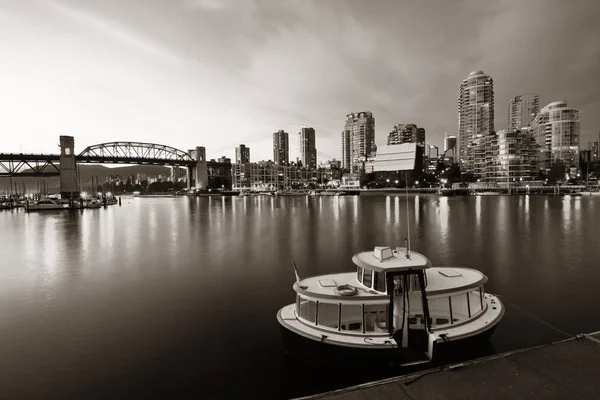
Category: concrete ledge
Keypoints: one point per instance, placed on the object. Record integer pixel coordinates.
(561, 370)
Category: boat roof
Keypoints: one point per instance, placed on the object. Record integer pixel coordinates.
(440, 281)
(384, 259)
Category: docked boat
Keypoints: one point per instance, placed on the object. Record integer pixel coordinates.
(47, 204)
(93, 203)
(396, 308)
(488, 193)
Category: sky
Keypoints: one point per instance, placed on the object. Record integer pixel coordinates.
(217, 73)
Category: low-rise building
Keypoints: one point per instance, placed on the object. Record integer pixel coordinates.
(267, 175)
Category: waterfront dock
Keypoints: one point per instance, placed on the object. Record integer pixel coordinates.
(561, 370)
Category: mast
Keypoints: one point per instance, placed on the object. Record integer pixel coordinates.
(407, 216)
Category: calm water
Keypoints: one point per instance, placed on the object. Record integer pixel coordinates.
(177, 297)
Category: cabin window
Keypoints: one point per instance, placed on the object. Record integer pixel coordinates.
(439, 310)
(414, 282)
(475, 302)
(368, 278)
(375, 318)
(328, 315)
(351, 317)
(460, 308)
(359, 274)
(379, 281)
(308, 310)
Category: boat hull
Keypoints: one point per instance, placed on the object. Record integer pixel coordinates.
(318, 351)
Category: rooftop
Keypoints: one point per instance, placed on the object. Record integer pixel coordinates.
(386, 259)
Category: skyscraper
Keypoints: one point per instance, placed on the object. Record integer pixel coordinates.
(345, 150)
(281, 148)
(594, 148)
(475, 121)
(522, 110)
(358, 140)
(308, 149)
(407, 133)
(556, 130)
(242, 154)
(450, 147)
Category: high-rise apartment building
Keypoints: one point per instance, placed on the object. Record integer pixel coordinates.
(345, 150)
(407, 133)
(475, 121)
(281, 148)
(522, 110)
(308, 148)
(358, 140)
(511, 156)
(242, 154)
(433, 151)
(594, 148)
(556, 129)
(450, 147)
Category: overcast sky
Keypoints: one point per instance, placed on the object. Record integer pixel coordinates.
(222, 72)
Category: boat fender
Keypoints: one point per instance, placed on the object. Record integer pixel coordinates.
(346, 290)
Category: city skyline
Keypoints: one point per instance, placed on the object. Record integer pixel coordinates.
(114, 71)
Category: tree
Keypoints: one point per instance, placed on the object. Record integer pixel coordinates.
(557, 172)
(451, 173)
(468, 177)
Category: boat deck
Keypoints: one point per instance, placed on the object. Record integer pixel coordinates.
(563, 370)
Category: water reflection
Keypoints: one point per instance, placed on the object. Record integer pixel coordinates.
(388, 209)
(527, 215)
(336, 208)
(417, 209)
(478, 215)
(566, 214)
(443, 209)
(396, 211)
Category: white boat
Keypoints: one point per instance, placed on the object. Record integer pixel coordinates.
(47, 204)
(93, 203)
(590, 193)
(396, 307)
(488, 193)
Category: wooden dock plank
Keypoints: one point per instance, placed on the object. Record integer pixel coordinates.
(564, 370)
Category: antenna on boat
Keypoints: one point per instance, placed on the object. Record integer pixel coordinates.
(407, 241)
(296, 272)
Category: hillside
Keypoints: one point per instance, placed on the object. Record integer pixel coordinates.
(86, 171)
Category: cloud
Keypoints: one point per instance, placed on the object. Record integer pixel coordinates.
(220, 73)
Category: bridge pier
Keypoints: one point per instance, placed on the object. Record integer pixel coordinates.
(201, 169)
(190, 177)
(69, 182)
(200, 172)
